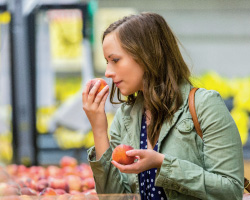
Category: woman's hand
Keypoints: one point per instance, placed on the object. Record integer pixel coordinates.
(147, 159)
(94, 104)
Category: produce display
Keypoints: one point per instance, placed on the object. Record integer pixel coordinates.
(65, 180)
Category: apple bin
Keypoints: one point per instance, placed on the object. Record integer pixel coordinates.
(68, 180)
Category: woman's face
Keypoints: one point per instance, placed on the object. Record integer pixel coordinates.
(121, 67)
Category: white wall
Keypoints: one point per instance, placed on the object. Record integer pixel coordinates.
(215, 34)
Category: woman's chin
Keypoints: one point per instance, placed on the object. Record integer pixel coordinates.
(125, 93)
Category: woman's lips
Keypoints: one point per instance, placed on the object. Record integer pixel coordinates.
(117, 83)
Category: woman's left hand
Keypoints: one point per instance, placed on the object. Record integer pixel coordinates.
(147, 159)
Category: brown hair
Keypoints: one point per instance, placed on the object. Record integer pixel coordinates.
(150, 41)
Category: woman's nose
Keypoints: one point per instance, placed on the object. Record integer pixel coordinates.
(109, 73)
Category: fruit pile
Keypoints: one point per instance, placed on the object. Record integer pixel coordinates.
(63, 181)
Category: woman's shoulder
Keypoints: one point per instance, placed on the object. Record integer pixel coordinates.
(123, 110)
(204, 96)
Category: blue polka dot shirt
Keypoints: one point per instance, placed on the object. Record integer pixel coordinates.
(148, 190)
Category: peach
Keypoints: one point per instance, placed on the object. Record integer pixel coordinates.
(65, 196)
(58, 183)
(88, 183)
(9, 189)
(85, 171)
(53, 171)
(28, 191)
(102, 85)
(68, 161)
(48, 192)
(119, 155)
(42, 184)
(74, 182)
(60, 191)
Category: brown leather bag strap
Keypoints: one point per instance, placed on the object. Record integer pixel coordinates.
(247, 184)
(191, 103)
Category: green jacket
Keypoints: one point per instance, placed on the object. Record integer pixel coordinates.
(193, 168)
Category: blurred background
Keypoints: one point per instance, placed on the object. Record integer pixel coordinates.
(49, 49)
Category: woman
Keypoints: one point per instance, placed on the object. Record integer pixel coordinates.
(146, 66)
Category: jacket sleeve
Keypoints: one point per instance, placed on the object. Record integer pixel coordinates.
(223, 172)
(108, 179)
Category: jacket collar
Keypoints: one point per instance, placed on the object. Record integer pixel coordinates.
(133, 116)
(185, 89)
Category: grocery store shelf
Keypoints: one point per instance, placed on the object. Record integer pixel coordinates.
(49, 153)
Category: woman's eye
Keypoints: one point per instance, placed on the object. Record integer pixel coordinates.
(115, 60)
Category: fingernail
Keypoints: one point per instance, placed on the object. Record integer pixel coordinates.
(128, 152)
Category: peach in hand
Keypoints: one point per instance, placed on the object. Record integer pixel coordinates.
(119, 155)
(102, 85)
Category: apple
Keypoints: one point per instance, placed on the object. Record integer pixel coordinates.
(102, 85)
(119, 154)
(68, 161)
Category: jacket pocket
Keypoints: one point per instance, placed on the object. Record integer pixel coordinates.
(185, 126)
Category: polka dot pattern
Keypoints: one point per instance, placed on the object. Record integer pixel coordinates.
(148, 190)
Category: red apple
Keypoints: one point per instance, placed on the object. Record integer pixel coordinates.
(119, 155)
(102, 85)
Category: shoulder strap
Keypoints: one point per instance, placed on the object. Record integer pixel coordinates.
(191, 103)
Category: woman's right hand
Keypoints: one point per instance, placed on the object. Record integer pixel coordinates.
(94, 106)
